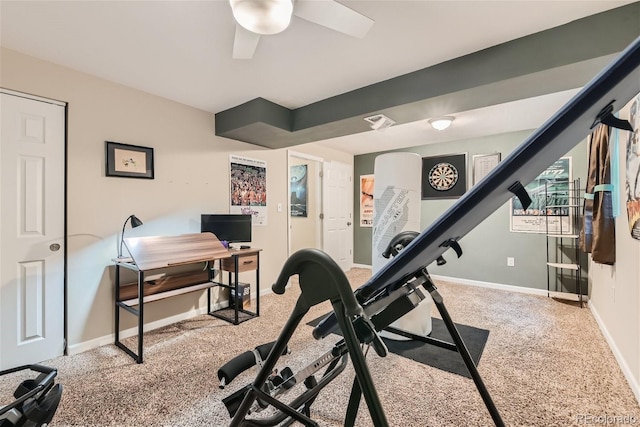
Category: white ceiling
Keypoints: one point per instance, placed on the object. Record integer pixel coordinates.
(181, 50)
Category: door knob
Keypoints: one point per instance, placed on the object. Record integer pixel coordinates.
(54, 247)
(348, 224)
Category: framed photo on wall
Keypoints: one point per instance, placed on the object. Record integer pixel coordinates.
(128, 161)
(444, 177)
(483, 164)
(551, 187)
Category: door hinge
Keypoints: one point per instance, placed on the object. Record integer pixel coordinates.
(321, 216)
(321, 173)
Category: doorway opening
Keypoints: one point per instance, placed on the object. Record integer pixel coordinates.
(304, 223)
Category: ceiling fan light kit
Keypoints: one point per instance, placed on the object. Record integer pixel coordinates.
(262, 16)
(256, 18)
(441, 123)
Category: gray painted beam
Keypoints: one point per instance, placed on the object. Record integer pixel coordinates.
(256, 110)
(561, 58)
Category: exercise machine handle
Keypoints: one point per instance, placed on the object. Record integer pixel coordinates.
(320, 279)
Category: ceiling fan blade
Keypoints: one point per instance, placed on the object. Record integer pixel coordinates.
(244, 43)
(334, 15)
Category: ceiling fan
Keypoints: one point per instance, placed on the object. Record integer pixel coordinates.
(255, 18)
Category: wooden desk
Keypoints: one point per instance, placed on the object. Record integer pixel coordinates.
(240, 260)
(157, 253)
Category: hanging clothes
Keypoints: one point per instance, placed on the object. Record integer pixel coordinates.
(598, 232)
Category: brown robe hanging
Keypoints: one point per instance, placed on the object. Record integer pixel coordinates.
(598, 232)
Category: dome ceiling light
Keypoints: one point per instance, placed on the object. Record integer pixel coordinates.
(263, 17)
(441, 123)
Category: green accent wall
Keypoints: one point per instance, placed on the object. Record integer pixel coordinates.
(485, 248)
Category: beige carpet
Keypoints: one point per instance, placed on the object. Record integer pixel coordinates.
(545, 364)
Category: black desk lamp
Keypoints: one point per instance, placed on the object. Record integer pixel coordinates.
(135, 222)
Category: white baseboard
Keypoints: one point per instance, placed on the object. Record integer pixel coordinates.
(360, 266)
(109, 339)
(266, 291)
(568, 296)
(633, 382)
(491, 285)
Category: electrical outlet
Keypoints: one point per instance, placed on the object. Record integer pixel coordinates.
(511, 261)
(279, 207)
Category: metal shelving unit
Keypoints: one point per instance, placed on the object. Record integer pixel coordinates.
(563, 206)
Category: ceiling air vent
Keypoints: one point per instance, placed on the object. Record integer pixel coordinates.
(379, 122)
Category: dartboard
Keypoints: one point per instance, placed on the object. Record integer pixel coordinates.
(443, 176)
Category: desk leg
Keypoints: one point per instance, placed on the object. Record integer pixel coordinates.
(258, 284)
(210, 277)
(117, 313)
(235, 284)
(140, 314)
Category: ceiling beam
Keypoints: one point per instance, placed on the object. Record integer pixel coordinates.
(561, 58)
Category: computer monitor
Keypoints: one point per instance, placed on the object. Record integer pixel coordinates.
(232, 228)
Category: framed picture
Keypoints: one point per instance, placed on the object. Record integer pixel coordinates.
(128, 161)
(551, 187)
(444, 177)
(483, 164)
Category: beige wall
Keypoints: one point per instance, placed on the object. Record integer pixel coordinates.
(191, 177)
(615, 290)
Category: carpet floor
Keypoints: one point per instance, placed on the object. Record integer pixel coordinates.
(545, 363)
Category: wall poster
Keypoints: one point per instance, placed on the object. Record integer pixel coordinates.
(444, 177)
(366, 200)
(554, 181)
(633, 171)
(483, 164)
(249, 188)
(298, 190)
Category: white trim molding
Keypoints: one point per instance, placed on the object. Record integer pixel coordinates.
(626, 371)
(491, 285)
(109, 339)
(32, 97)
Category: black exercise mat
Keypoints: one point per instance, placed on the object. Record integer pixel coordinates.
(429, 354)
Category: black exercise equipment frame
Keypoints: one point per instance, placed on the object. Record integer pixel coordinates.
(36, 400)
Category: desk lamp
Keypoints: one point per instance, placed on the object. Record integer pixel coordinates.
(135, 222)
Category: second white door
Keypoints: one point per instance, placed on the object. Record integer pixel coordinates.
(337, 209)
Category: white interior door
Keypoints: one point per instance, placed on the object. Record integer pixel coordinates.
(337, 207)
(31, 230)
